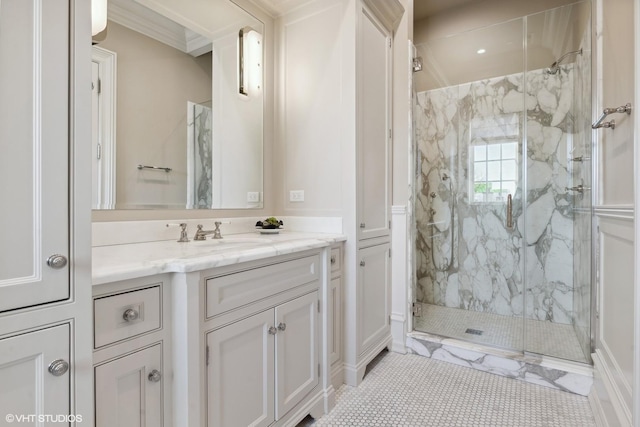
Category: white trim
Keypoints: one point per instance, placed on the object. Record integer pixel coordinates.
(616, 212)
(107, 66)
(635, 410)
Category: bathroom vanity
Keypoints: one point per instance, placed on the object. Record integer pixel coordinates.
(236, 331)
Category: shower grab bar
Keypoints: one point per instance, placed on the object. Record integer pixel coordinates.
(509, 212)
(155, 168)
(612, 124)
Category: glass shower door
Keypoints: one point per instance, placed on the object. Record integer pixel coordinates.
(470, 133)
(558, 199)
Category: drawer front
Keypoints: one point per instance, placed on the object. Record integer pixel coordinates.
(336, 259)
(228, 292)
(122, 316)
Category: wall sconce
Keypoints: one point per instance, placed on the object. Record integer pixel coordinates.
(98, 16)
(249, 62)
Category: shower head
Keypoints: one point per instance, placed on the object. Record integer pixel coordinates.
(553, 69)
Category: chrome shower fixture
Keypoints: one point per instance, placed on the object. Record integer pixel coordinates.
(417, 64)
(553, 69)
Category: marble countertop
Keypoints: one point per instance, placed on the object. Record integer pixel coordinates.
(128, 261)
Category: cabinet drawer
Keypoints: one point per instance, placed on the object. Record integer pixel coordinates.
(121, 316)
(336, 259)
(228, 292)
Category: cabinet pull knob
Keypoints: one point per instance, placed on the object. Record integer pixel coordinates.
(362, 263)
(58, 367)
(282, 326)
(154, 376)
(362, 225)
(272, 330)
(57, 261)
(333, 259)
(130, 315)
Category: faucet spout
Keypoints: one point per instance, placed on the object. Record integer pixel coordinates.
(202, 234)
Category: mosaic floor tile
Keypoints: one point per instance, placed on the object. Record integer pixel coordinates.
(414, 391)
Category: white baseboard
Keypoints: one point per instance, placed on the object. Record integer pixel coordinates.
(609, 409)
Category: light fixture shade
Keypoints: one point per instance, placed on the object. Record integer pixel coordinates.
(98, 16)
(250, 62)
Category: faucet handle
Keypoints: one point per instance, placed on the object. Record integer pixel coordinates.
(183, 231)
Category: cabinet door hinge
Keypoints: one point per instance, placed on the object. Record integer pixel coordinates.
(207, 356)
(99, 86)
(318, 370)
(389, 41)
(318, 306)
(389, 224)
(389, 253)
(99, 151)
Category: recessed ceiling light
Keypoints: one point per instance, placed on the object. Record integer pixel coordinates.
(481, 51)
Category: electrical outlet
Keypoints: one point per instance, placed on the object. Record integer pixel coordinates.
(296, 196)
(253, 196)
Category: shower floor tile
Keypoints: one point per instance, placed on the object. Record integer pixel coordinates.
(551, 339)
(414, 391)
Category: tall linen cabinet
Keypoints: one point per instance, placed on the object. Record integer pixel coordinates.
(45, 263)
(334, 118)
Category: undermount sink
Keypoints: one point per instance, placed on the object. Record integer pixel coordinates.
(231, 241)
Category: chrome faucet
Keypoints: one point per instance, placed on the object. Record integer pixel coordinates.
(202, 234)
(183, 232)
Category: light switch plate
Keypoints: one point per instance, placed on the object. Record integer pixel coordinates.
(296, 196)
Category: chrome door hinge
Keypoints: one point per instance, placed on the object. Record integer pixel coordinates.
(416, 309)
(99, 151)
(207, 356)
(99, 86)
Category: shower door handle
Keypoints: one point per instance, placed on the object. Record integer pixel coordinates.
(509, 212)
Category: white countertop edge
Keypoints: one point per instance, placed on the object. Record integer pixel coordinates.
(108, 267)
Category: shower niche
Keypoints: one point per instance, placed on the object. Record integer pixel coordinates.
(502, 140)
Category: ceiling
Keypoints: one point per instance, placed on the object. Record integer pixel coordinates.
(424, 8)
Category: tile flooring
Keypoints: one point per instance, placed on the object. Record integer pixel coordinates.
(550, 339)
(410, 390)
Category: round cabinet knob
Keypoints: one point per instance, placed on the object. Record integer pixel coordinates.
(154, 376)
(272, 330)
(362, 263)
(333, 259)
(282, 326)
(130, 315)
(58, 367)
(57, 261)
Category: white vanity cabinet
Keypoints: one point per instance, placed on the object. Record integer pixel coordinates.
(130, 364)
(264, 358)
(260, 367)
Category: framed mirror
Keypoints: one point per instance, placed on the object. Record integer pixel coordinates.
(178, 106)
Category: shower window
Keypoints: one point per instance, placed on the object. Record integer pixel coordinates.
(494, 170)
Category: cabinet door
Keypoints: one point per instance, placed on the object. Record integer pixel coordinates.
(26, 385)
(374, 128)
(373, 295)
(240, 375)
(129, 390)
(34, 142)
(296, 351)
(335, 326)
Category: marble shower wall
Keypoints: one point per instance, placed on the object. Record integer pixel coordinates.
(465, 256)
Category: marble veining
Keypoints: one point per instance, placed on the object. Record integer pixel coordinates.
(574, 379)
(466, 256)
(199, 161)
